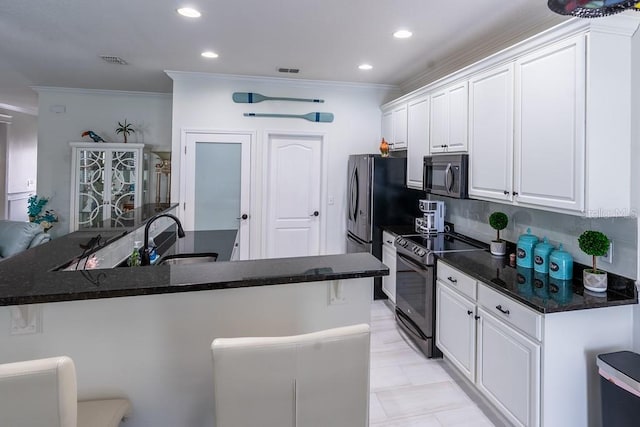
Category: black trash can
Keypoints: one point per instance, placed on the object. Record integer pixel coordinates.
(620, 388)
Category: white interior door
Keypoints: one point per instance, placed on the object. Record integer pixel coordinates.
(217, 186)
(294, 177)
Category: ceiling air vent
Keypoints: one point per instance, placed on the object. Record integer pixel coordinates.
(113, 59)
(289, 70)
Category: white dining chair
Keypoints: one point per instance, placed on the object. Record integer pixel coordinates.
(43, 393)
(317, 379)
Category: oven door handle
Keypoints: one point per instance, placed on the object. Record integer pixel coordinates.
(413, 265)
(410, 328)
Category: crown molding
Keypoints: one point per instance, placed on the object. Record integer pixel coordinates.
(24, 110)
(190, 75)
(54, 89)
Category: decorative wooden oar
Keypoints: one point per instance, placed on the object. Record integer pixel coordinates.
(312, 117)
(252, 98)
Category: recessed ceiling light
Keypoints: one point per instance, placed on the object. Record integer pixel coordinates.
(365, 67)
(402, 34)
(189, 12)
(209, 54)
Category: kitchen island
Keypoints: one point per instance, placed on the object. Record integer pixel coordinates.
(145, 333)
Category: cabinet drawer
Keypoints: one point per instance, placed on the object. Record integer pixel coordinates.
(388, 239)
(512, 312)
(456, 280)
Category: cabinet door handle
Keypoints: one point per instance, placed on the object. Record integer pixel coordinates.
(476, 317)
(452, 280)
(389, 242)
(502, 310)
(515, 193)
(469, 312)
(506, 192)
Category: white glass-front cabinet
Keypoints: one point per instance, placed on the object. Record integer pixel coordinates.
(389, 259)
(417, 140)
(106, 182)
(448, 119)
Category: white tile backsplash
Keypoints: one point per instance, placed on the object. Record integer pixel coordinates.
(471, 217)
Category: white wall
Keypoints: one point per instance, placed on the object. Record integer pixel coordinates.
(203, 101)
(65, 113)
(635, 160)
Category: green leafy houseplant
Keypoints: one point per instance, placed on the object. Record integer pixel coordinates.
(498, 221)
(594, 243)
(125, 129)
(35, 205)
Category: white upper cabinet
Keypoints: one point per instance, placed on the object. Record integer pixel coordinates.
(448, 119)
(417, 140)
(387, 126)
(491, 134)
(550, 126)
(399, 140)
(394, 127)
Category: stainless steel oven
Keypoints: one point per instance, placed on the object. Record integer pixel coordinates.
(415, 299)
(416, 284)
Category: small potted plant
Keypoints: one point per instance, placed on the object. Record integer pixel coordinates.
(125, 129)
(498, 221)
(596, 244)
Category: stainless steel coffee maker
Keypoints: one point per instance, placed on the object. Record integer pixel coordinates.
(432, 220)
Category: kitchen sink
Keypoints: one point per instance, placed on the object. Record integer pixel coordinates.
(188, 259)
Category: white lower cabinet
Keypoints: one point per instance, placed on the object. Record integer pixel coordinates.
(479, 337)
(536, 369)
(508, 371)
(389, 259)
(456, 329)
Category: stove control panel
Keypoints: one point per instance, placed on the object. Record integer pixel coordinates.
(401, 242)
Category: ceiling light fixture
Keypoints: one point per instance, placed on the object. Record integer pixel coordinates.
(402, 34)
(209, 54)
(189, 12)
(591, 8)
(365, 67)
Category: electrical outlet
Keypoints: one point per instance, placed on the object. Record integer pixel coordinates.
(608, 257)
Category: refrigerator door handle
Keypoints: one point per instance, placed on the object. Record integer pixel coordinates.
(353, 201)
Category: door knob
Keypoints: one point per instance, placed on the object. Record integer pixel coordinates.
(315, 213)
(244, 216)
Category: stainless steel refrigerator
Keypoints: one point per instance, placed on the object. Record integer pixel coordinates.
(377, 197)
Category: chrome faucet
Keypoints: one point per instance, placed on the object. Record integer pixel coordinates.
(144, 251)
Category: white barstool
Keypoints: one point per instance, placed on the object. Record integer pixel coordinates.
(43, 393)
(317, 379)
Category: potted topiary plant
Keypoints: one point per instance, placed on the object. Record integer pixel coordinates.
(498, 221)
(594, 243)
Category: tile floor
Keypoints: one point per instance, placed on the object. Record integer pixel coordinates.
(409, 390)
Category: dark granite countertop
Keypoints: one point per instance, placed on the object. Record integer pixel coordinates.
(28, 277)
(539, 291)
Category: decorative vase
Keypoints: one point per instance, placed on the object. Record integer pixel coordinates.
(384, 148)
(498, 247)
(596, 282)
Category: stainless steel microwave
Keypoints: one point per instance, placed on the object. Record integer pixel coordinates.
(447, 175)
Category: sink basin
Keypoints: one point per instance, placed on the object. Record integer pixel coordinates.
(187, 259)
